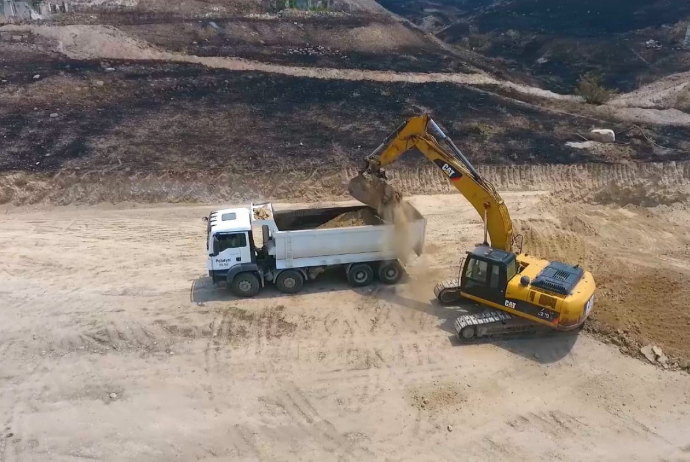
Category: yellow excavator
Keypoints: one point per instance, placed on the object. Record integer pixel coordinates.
(523, 292)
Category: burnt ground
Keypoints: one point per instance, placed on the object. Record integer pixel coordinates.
(557, 42)
(330, 40)
(153, 116)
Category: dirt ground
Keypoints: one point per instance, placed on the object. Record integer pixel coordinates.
(115, 345)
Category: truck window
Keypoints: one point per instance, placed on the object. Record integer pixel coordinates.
(477, 271)
(232, 241)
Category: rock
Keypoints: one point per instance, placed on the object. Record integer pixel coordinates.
(99, 83)
(684, 363)
(54, 115)
(619, 331)
(10, 435)
(109, 69)
(537, 356)
(657, 351)
(425, 401)
(625, 350)
(653, 44)
(37, 76)
(450, 428)
(113, 395)
(17, 38)
(663, 360)
(648, 353)
(602, 135)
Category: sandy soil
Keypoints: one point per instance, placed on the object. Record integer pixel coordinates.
(115, 346)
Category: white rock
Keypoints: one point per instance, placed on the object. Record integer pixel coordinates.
(657, 351)
(603, 135)
(113, 395)
(37, 76)
(648, 353)
(54, 115)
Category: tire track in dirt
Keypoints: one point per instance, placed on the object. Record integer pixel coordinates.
(581, 182)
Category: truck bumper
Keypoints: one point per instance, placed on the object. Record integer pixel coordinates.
(218, 275)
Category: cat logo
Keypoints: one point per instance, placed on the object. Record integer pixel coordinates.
(450, 171)
(510, 304)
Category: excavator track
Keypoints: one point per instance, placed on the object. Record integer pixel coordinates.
(487, 325)
(494, 324)
(448, 291)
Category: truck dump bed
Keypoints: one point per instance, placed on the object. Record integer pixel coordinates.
(340, 235)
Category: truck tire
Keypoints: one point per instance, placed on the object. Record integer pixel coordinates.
(290, 281)
(246, 285)
(360, 275)
(390, 272)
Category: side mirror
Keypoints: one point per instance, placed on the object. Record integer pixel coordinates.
(216, 246)
(524, 281)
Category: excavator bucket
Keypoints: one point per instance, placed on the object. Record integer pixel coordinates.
(374, 192)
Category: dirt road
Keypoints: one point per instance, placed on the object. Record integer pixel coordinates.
(115, 346)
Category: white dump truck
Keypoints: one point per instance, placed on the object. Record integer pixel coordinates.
(248, 247)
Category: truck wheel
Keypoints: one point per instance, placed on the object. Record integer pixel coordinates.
(390, 272)
(360, 275)
(246, 285)
(290, 281)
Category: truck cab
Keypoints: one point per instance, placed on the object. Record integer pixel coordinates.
(229, 242)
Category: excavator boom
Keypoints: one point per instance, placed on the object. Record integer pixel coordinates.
(423, 134)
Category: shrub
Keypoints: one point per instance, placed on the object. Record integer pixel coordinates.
(591, 89)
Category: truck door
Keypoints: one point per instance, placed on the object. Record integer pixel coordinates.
(484, 279)
(234, 249)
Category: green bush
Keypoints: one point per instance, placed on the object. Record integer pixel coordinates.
(591, 89)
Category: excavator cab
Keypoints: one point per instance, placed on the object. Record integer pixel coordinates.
(486, 273)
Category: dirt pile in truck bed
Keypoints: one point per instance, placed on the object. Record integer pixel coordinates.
(355, 218)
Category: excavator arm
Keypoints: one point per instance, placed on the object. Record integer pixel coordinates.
(423, 134)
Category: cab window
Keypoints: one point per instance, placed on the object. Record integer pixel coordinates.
(511, 270)
(232, 241)
(477, 271)
(495, 276)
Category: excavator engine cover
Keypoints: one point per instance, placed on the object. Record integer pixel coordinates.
(559, 278)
